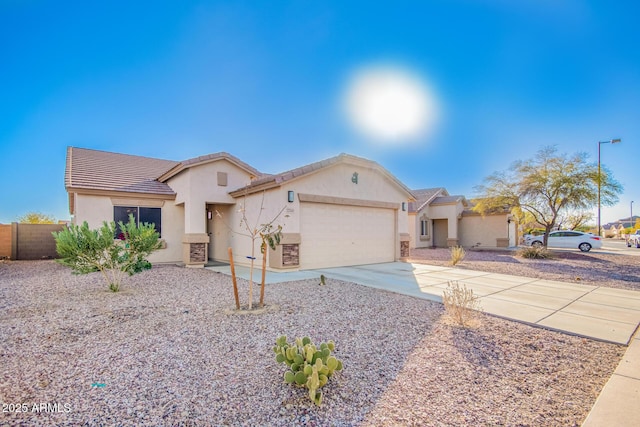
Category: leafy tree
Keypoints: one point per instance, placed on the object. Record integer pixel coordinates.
(36, 218)
(86, 250)
(547, 186)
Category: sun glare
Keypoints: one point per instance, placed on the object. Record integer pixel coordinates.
(389, 104)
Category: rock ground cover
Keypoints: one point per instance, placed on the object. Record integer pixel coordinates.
(592, 268)
(165, 351)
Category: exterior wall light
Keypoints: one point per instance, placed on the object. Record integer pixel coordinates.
(354, 178)
(290, 196)
(404, 206)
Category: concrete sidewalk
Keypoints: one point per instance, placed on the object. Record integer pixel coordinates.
(619, 402)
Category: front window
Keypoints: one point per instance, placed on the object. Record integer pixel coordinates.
(140, 214)
(424, 227)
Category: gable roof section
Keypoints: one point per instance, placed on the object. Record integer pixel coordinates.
(448, 200)
(203, 160)
(267, 182)
(105, 171)
(425, 196)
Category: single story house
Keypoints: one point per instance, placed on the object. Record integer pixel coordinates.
(341, 211)
(345, 210)
(442, 220)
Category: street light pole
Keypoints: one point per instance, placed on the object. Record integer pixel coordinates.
(631, 217)
(611, 141)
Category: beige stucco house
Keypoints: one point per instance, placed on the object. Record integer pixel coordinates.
(616, 229)
(440, 220)
(345, 210)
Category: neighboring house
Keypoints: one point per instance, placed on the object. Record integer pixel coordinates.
(629, 222)
(442, 220)
(616, 229)
(341, 211)
(611, 230)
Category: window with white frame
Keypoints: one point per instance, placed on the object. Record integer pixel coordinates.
(424, 227)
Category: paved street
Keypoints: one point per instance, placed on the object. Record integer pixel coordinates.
(618, 247)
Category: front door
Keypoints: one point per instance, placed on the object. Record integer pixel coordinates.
(211, 213)
(440, 232)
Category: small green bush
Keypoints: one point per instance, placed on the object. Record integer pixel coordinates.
(457, 254)
(309, 366)
(535, 252)
(86, 251)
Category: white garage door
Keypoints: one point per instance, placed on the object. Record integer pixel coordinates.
(341, 235)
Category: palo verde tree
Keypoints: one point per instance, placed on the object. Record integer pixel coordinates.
(36, 218)
(548, 186)
(86, 250)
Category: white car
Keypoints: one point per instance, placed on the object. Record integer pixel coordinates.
(634, 239)
(568, 239)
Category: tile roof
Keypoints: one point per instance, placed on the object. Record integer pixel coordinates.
(270, 181)
(425, 196)
(102, 170)
(448, 199)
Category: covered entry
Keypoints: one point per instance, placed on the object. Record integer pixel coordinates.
(440, 233)
(335, 235)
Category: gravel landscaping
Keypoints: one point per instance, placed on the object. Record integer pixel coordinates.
(165, 351)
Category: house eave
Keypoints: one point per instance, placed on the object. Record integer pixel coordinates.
(245, 191)
(116, 193)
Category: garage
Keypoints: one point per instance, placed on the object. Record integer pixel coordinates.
(341, 235)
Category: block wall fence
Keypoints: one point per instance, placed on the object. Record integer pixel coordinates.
(28, 241)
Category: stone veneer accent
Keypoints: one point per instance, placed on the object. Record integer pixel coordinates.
(404, 244)
(197, 252)
(195, 249)
(291, 255)
(287, 253)
(404, 249)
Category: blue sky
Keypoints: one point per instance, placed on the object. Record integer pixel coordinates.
(264, 80)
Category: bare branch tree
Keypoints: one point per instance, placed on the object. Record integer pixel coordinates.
(267, 232)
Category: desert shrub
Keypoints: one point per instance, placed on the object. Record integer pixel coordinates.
(86, 250)
(535, 252)
(457, 254)
(309, 366)
(460, 304)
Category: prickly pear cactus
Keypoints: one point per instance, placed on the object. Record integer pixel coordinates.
(309, 365)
